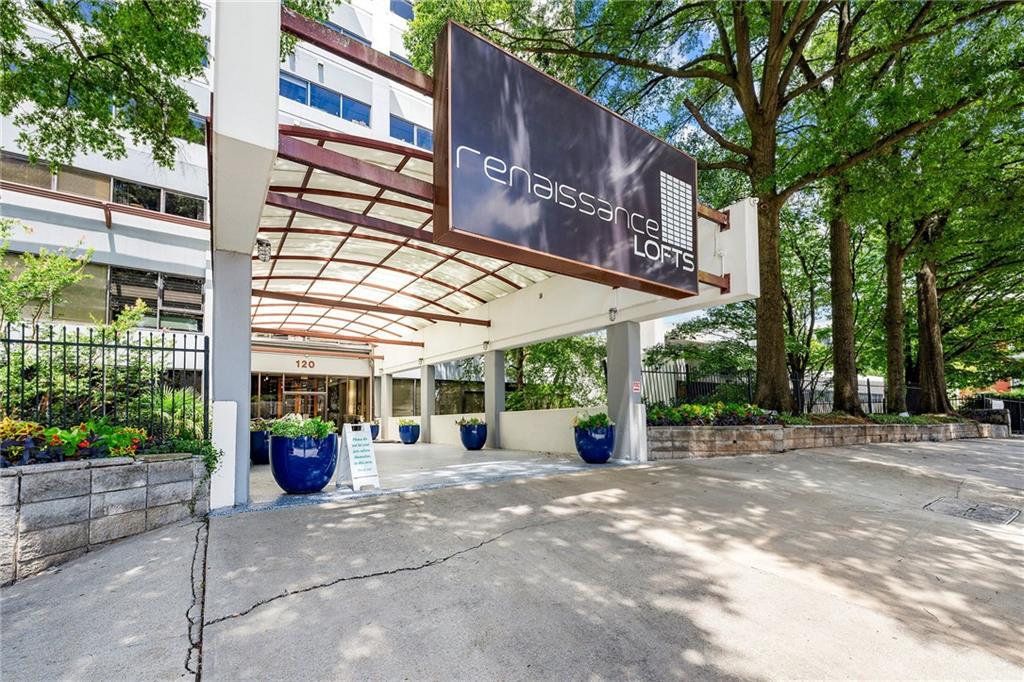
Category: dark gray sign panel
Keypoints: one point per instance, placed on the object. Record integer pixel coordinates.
(530, 171)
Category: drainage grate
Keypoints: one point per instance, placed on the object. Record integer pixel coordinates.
(974, 511)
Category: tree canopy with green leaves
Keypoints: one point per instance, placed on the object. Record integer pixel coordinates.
(790, 96)
(99, 73)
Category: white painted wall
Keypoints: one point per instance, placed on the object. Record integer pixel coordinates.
(542, 430)
(530, 430)
(294, 363)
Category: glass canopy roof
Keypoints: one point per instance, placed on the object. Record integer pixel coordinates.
(331, 275)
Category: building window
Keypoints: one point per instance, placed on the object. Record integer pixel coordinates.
(411, 133)
(403, 130)
(324, 99)
(136, 194)
(354, 110)
(19, 170)
(424, 138)
(185, 206)
(199, 122)
(174, 302)
(402, 59)
(84, 183)
(402, 8)
(294, 88)
(345, 32)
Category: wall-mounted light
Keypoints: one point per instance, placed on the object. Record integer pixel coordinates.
(486, 344)
(263, 249)
(612, 314)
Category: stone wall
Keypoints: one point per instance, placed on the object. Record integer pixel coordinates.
(682, 442)
(51, 513)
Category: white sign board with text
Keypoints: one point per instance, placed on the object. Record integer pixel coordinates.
(358, 465)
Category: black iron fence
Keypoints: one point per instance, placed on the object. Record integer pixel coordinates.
(674, 385)
(63, 376)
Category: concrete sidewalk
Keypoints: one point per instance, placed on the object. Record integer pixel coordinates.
(816, 564)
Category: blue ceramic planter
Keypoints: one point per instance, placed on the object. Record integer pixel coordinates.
(374, 431)
(473, 436)
(259, 447)
(409, 434)
(595, 445)
(304, 464)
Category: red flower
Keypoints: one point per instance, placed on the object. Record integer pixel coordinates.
(55, 439)
(84, 444)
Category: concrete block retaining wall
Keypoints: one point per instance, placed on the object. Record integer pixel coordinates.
(683, 442)
(51, 513)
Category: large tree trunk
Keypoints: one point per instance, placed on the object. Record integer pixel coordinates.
(895, 359)
(845, 394)
(931, 363)
(773, 387)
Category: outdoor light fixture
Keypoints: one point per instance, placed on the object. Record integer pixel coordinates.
(263, 249)
(612, 314)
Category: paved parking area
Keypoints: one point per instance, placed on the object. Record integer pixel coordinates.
(820, 564)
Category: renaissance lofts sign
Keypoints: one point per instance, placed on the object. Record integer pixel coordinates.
(529, 170)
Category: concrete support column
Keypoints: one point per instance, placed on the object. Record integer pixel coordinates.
(625, 406)
(427, 400)
(386, 396)
(494, 395)
(375, 407)
(230, 357)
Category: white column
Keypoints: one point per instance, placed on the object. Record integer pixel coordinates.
(230, 357)
(386, 398)
(625, 406)
(494, 395)
(427, 401)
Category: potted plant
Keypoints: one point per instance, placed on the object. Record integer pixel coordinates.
(374, 429)
(473, 432)
(259, 441)
(595, 437)
(408, 431)
(303, 453)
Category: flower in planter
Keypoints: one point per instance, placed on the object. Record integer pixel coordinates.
(470, 421)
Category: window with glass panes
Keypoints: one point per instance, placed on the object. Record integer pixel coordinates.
(173, 301)
(411, 133)
(302, 91)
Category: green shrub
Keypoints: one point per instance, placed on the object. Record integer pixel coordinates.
(794, 420)
(297, 426)
(407, 422)
(715, 414)
(598, 420)
(197, 447)
(470, 421)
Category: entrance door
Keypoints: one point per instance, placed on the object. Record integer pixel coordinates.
(305, 395)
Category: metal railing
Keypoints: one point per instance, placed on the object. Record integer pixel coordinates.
(63, 376)
(681, 384)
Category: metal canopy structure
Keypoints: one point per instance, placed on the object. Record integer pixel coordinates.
(349, 218)
(352, 253)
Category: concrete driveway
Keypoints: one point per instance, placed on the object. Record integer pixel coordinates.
(815, 564)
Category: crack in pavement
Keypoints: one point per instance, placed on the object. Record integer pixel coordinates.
(402, 569)
(195, 611)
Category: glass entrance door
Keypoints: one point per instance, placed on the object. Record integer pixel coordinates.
(339, 399)
(305, 395)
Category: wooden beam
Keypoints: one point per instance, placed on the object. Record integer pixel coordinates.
(347, 217)
(355, 140)
(720, 217)
(347, 305)
(335, 337)
(326, 38)
(270, 348)
(324, 159)
(723, 282)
